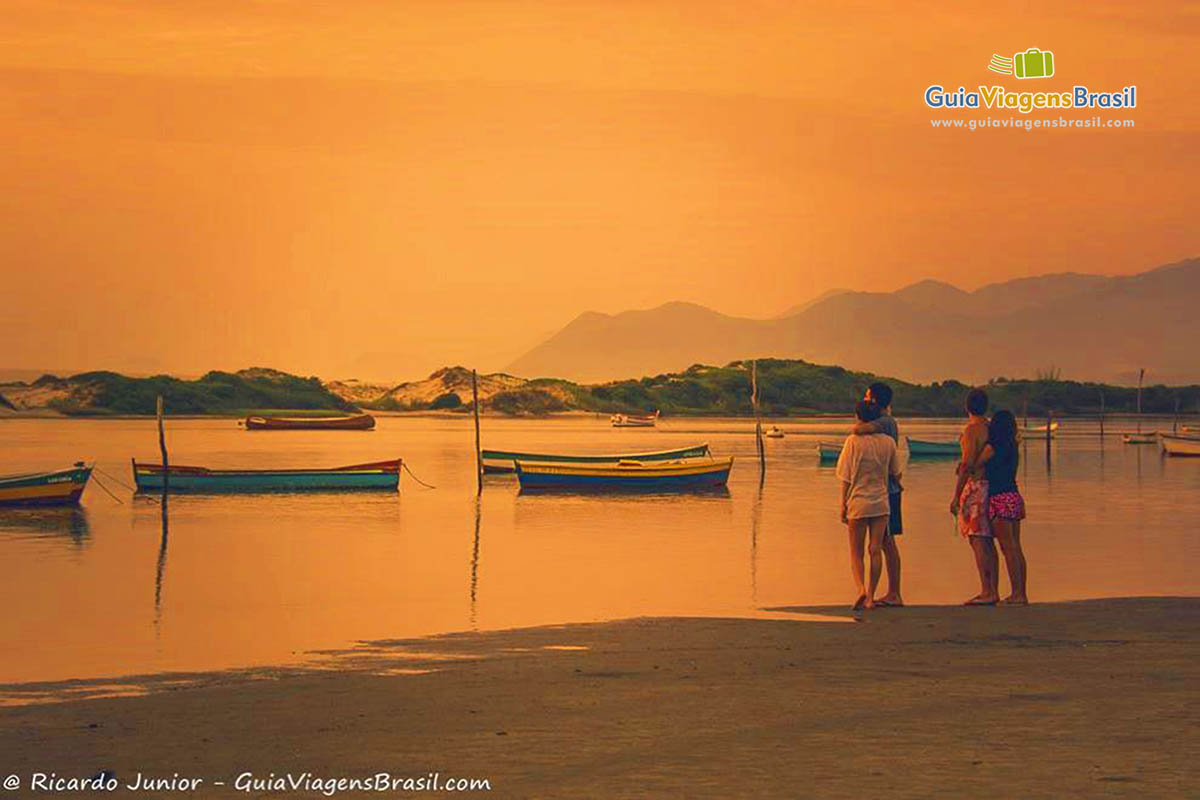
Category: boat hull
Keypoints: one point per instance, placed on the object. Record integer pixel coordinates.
(828, 453)
(502, 461)
(357, 422)
(918, 448)
(682, 476)
(378, 476)
(633, 421)
(60, 488)
(1180, 445)
(1140, 438)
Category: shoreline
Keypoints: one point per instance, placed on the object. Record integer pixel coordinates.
(1090, 697)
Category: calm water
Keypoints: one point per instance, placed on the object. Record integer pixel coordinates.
(250, 580)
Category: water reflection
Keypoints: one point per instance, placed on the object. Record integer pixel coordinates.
(68, 524)
(475, 556)
(161, 565)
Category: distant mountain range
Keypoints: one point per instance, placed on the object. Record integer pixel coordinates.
(1090, 327)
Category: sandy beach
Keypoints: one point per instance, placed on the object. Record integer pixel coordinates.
(1085, 699)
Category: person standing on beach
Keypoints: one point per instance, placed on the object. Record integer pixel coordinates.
(1006, 506)
(863, 467)
(880, 394)
(970, 501)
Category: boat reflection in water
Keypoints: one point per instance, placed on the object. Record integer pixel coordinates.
(69, 523)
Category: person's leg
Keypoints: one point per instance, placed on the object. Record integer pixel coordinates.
(1008, 533)
(858, 535)
(891, 554)
(877, 529)
(985, 561)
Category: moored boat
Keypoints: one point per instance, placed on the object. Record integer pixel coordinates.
(827, 452)
(773, 433)
(633, 420)
(1140, 438)
(1180, 445)
(58, 488)
(379, 476)
(685, 474)
(920, 448)
(1039, 430)
(353, 422)
(502, 460)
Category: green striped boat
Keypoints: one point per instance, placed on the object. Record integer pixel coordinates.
(496, 461)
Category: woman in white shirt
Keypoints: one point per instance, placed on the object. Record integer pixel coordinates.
(864, 467)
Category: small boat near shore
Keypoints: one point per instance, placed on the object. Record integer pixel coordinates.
(353, 422)
(683, 475)
(1140, 438)
(378, 476)
(634, 420)
(773, 433)
(61, 487)
(920, 448)
(501, 461)
(1174, 445)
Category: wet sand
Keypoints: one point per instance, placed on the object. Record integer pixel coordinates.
(1088, 699)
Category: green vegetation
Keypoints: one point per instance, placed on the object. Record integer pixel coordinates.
(448, 400)
(789, 386)
(100, 393)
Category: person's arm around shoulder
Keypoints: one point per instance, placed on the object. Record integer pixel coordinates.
(865, 428)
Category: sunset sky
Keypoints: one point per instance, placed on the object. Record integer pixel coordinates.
(376, 188)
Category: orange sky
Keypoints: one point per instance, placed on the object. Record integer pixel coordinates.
(377, 188)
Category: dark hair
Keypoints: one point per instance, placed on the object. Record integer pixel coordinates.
(881, 393)
(867, 411)
(977, 402)
(1002, 430)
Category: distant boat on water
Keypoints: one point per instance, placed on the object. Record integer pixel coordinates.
(634, 420)
(773, 433)
(378, 475)
(827, 452)
(1180, 445)
(919, 448)
(1140, 438)
(496, 461)
(685, 474)
(354, 422)
(59, 488)
(1040, 430)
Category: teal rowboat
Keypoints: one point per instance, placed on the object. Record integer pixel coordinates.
(378, 476)
(60, 488)
(503, 460)
(828, 453)
(655, 476)
(919, 448)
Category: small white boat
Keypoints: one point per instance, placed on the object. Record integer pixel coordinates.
(1190, 428)
(773, 433)
(1180, 445)
(1039, 431)
(633, 420)
(1140, 438)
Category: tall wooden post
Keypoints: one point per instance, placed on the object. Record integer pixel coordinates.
(758, 434)
(1141, 375)
(478, 451)
(162, 447)
(1102, 416)
(1175, 422)
(1049, 433)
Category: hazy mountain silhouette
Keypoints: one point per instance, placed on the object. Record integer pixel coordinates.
(1092, 327)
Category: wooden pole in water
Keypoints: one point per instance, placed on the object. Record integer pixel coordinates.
(1102, 414)
(478, 451)
(758, 435)
(1049, 423)
(162, 447)
(1175, 422)
(1141, 375)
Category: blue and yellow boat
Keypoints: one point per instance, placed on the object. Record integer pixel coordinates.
(683, 474)
(378, 476)
(503, 460)
(918, 448)
(60, 488)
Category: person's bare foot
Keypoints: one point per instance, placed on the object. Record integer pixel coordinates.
(981, 600)
(1013, 600)
(890, 600)
(870, 603)
(860, 602)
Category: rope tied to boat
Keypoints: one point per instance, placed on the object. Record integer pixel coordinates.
(106, 490)
(414, 477)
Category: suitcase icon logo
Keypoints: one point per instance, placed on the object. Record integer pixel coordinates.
(1033, 63)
